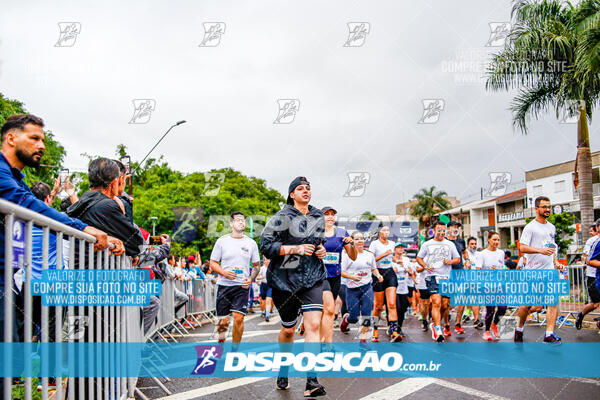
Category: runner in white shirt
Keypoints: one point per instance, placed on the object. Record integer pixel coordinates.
(413, 294)
(230, 258)
(424, 303)
(538, 242)
(265, 291)
(359, 291)
(401, 265)
(590, 276)
(492, 258)
(472, 262)
(383, 250)
(436, 256)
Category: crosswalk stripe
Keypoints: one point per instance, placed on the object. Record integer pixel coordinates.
(468, 390)
(212, 389)
(401, 389)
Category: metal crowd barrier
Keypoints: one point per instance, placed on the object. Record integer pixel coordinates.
(86, 324)
(571, 305)
(82, 324)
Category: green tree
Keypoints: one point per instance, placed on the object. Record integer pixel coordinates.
(565, 230)
(430, 201)
(367, 216)
(552, 57)
(53, 155)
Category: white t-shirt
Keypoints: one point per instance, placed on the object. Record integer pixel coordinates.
(421, 285)
(378, 248)
(263, 274)
(474, 258)
(489, 259)
(235, 255)
(434, 252)
(413, 267)
(362, 266)
(402, 275)
(539, 235)
(590, 271)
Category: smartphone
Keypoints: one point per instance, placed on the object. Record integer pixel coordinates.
(126, 161)
(63, 175)
(155, 240)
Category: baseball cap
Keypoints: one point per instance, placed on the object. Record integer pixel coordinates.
(300, 180)
(325, 209)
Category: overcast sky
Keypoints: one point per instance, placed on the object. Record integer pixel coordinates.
(359, 105)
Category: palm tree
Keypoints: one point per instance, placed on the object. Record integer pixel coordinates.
(552, 56)
(429, 202)
(367, 216)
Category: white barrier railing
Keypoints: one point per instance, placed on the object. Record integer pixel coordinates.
(82, 324)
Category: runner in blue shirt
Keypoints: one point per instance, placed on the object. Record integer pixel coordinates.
(337, 240)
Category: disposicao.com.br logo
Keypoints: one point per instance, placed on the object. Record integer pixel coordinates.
(349, 362)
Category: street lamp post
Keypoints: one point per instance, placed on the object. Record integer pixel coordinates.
(153, 225)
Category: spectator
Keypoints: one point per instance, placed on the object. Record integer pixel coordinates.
(508, 262)
(98, 208)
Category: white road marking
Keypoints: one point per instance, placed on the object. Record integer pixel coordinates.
(468, 390)
(212, 389)
(401, 389)
(586, 380)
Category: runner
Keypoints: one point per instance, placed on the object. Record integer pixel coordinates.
(230, 258)
(266, 298)
(293, 241)
(337, 240)
(472, 262)
(492, 258)
(437, 256)
(383, 249)
(413, 294)
(461, 247)
(359, 291)
(424, 296)
(590, 276)
(537, 242)
(401, 265)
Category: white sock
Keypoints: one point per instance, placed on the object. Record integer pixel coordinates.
(520, 329)
(549, 333)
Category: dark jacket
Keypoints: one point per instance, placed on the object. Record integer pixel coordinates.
(290, 227)
(100, 211)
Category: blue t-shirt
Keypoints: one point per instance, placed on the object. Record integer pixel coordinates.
(595, 255)
(334, 246)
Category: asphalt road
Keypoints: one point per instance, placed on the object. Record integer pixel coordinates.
(381, 388)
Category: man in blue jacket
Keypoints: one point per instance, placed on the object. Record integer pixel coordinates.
(293, 241)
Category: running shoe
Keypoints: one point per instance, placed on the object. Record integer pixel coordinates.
(424, 328)
(440, 336)
(266, 319)
(314, 388)
(465, 318)
(375, 338)
(495, 332)
(395, 337)
(390, 331)
(487, 336)
(250, 311)
(447, 331)
(344, 326)
(221, 340)
(552, 339)
(282, 383)
(459, 330)
(518, 337)
(336, 323)
(301, 329)
(434, 334)
(478, 324)
(402, 335)
(579, 321)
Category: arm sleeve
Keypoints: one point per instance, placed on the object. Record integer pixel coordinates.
(11, 191)
(526, 236)
(112, 220)
(270, 239)
(215, 254)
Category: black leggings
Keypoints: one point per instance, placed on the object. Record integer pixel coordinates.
(401, 306)
(493, 313)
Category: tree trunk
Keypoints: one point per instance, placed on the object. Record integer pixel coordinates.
(584, 171)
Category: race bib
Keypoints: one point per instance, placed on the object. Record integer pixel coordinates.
(331, 258)
(238, 271)
(362, 274)
(439, 278)
(385, 262)
(401, 278)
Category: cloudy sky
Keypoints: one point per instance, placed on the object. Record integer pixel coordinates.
(359, 105)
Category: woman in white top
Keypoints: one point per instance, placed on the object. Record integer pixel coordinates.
(265, 291)
(359, 291)
(401, 265)
(492, 258)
